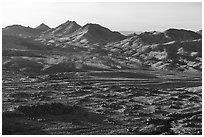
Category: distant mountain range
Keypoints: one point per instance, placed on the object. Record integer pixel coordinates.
(126, 33)
(68, 31)
(71, 47)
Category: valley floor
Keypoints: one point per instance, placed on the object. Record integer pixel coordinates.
(103, 102)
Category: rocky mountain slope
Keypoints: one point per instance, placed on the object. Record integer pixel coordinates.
(94, 33)
(64, 29)
(172, 49)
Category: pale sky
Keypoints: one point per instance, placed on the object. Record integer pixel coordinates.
(118, 16)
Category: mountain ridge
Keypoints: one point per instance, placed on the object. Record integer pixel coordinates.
(96, 33)
(19, 30)
(98, 47)
(63, 29)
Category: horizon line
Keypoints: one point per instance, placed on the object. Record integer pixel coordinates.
(104, 26)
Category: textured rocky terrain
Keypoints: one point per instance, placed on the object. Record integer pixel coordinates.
(170, 50)
(88, 79)
(139, 102)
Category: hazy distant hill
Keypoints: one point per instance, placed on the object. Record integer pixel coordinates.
(126, 33)
(18, 30)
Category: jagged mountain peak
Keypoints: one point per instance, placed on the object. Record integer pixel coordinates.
(43, 27)
(95, 33)
(68, 22)
(63, 29)
(97, 28)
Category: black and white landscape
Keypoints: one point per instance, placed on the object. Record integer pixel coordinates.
(74, 79)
